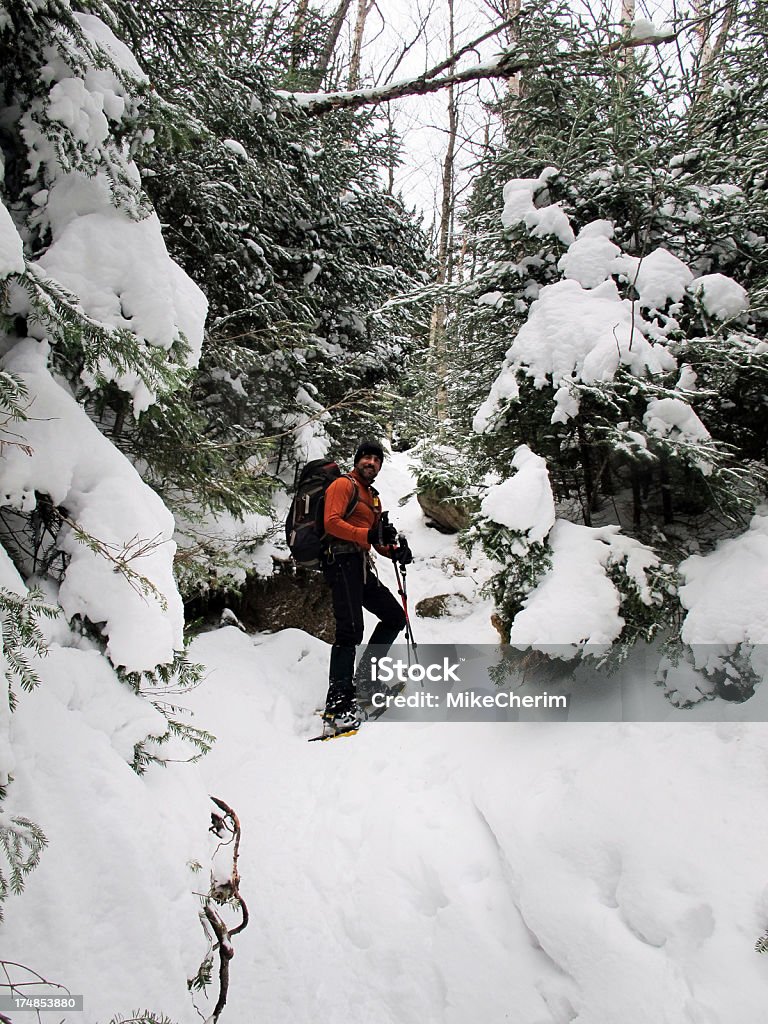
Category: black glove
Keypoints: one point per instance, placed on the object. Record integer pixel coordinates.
(383, 533)
(403, 553)
(388, 534)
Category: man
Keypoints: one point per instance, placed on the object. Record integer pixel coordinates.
(354, 522)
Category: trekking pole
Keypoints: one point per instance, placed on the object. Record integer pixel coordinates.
(401, 589)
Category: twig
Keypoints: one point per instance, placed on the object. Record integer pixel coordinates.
(37, 979)
(120, 556)
(227, 892)
(225, 955)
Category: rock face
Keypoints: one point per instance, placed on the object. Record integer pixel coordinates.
(298, 600)
(289, 598)
(448, 517)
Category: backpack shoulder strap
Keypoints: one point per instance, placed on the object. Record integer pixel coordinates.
(355, 494)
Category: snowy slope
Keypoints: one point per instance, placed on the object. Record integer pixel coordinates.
(458, 872)
(539, 873)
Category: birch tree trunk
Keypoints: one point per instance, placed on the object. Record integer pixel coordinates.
(437, 339)
(513, 34)
(710, 47)
(298, 33)
(627, 17)
(363, 9)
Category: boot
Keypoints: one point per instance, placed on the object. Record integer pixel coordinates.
(341, 690)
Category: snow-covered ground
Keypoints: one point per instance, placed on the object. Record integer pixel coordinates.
(539, 873)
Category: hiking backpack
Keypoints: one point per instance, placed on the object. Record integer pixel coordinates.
(304, 529)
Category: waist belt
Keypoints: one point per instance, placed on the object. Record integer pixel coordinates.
(344, 547)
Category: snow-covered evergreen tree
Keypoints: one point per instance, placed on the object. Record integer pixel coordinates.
(98, 323)
(284, 222)
(607, 270)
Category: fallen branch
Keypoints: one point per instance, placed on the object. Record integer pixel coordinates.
(505, 65)
(227, 827)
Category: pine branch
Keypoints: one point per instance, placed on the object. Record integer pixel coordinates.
(22, 635)
(121, 555)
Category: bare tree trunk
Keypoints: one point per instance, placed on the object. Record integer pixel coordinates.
(513, 34)
(709, 51)
(440, 310)
(627, 12)
(702, 28)
(298, 34)
(326, 55)
(628, 9)
(363, 9)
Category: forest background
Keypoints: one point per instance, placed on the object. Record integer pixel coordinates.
(210, 275)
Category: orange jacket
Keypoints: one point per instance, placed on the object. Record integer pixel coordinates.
(364, 515)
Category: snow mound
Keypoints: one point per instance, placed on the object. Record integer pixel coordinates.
(116, 871)
(11, 249)
(574, 334)
(576, 604)
(519, 208)
(721, 296)
(724, 597)
(123, 276)
(674, 417)
(104, 37)
(659, 278)
(83, 472)
(236, 147)
(591, 259)
(643, 28)
(523, 503)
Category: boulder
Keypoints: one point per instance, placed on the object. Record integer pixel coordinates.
(446, 516)
(441, 605)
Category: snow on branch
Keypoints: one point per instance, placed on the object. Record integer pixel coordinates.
(504, 65)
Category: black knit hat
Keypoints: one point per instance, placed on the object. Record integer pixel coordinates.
(369, 448)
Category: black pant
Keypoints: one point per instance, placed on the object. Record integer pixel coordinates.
(355, 587)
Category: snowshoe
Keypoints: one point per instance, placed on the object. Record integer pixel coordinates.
(373, 711)
(339, 723)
